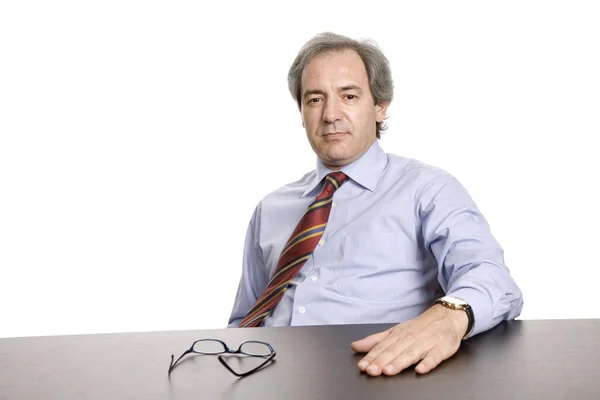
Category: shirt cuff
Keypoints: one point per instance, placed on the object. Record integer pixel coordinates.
(480, 304)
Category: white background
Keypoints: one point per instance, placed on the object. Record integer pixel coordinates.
(136, 138)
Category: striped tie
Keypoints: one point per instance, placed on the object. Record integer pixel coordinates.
(297, 250)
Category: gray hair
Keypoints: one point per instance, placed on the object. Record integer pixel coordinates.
(376, 64)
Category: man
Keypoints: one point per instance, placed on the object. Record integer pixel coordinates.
(370, 237)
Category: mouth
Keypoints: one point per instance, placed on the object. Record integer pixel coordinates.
(334, 135)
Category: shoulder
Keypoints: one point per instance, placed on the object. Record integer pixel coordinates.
(418, 173)
(429, 187)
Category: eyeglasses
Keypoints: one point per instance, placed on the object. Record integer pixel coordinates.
(213, 347)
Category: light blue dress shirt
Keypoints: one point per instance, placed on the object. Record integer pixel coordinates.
(399, 230)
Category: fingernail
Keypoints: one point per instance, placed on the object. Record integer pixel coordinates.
(388, 369)
(363, 364)
(372, 369)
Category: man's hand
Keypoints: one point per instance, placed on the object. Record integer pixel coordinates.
(430, 338)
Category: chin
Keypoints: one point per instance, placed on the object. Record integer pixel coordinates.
(334, 153)
(335, 159)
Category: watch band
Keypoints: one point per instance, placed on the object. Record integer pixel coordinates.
(464, 307)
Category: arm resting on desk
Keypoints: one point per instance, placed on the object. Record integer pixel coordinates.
(470, 261)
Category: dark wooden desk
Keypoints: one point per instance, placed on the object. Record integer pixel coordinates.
(517, 360)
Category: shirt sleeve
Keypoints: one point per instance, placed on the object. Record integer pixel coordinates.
(470, 261)
(254, 278)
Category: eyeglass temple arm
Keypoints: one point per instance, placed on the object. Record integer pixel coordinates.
(222, 361)
(173, 364)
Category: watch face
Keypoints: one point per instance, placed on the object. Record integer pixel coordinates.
(455, 300)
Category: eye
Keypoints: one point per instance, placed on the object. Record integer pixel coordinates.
(351, 96)
(314, 100)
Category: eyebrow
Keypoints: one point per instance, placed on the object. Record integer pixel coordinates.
(341, 89)
(350, 87)
(312, 91)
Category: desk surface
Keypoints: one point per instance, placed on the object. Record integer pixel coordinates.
(554, 359)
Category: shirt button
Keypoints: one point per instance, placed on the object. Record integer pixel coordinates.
(314, 278)
(301, 310)
(321, 242)
(333, 204)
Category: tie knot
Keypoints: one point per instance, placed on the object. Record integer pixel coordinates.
(333, 181)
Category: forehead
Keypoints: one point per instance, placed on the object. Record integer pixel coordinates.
(330, 67)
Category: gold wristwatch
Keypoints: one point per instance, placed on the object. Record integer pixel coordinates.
(455, 303)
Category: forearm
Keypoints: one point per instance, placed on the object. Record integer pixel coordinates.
(470, 260)
(492, 294)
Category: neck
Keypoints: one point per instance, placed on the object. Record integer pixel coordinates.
(333, 167)
(339, 166)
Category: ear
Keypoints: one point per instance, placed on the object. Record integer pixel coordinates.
(381, 111)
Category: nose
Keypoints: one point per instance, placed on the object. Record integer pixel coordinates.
(332, 111)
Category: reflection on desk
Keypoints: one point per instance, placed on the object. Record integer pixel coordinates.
(550, 359)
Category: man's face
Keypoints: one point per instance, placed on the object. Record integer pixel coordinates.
(338, 110)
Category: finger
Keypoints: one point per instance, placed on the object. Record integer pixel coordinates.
(366, 344)
(410, 356)
(385, 352)
(432, 360)
(376, 350)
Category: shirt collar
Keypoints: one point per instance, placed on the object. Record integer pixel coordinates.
(365, 171)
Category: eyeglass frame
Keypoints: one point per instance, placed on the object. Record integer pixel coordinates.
(226, 350)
